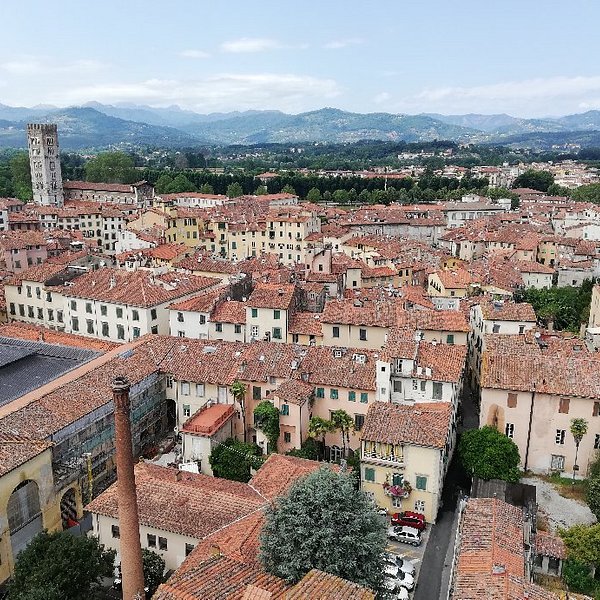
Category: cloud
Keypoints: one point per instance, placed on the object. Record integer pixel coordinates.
(381, 98)
(226, 91)
(246, 45)
(32, 65)
(194, 54)
(531, 97)
(344, 43)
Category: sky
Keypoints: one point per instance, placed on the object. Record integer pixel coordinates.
(527, 58)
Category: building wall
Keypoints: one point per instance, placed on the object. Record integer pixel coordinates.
(350, 336)
(266, 323)
(44, 159)
(189, 322)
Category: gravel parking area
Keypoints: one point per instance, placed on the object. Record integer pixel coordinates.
(561, 512)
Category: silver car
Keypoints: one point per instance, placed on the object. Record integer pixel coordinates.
(402, 563)
(406, 535)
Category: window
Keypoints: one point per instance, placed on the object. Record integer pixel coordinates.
(28, 291)
(256, 392)
(254, 313)
(277, 314)
(450, 338)
(511, 400)
(254, 331)
(521, 329)
(103, 310)
(320, 392)
(336, 331)
(136, 332)
(351, 396)
(595, 410)
(202, 319)
(597, 442)
(396, 502)
(333, 393)
(563, 406)
(420, 506)
(219, 327)
(364, 397)
(38, 293)
(89, 324)
(59, 316)
(30, 312)
(437, 390)
(153, 314)
(120, 332)
(22, 310)
(105, 329)
(119, 312)
(114, 529)
(287, 437)
(496, 328)
(200, 389)
(421, 482)
(423, 385)
(557, 462)
(151, 540)
(189, 547)
(369, 474)
(397, 479)
(154, 329)
(560, 436)
(276, 333)
(415, 385)
(362, 335)
(75, 323)
(73, 305)
(285, 409)
(509, 430)
(48, 297)
(237, 328)
(40, 314)
(135, 315)
(397, 386)
(185, 388)
(162, 543)
(12, 308)
(187, 411)
(88, 307)
(359, 421)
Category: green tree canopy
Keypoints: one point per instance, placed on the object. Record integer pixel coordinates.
(288, 189)
(233, 460)
(111, 167)
(587, 193)
(344, 423)
(314, 195)
(55, 566)
(162, 183)
(206, 188)
(154, 569)
(324, 523)
(180, 184)
(266, 419)
(261, 190)
(21, 176)
(234, 190)
(489, 454)
(592, 496)
(536, 180)
(583, 543)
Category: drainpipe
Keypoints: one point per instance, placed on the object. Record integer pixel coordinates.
(529, 428)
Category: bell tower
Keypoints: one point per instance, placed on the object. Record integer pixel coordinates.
(44, 159)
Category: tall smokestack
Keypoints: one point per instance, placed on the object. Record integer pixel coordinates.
(129, 527)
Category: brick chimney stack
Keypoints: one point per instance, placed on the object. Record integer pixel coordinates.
(129, 527)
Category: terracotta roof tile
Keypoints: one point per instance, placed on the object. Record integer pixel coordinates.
(271, 295)
(547, 544)
(324, 586)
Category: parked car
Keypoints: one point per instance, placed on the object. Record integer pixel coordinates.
(405, 579)
(402, 563)
(406, 535)
(409, 519)
(393, 590)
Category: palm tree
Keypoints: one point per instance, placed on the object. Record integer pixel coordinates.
(343, 422)
(238, 391)
(578, 428)
(319, 428)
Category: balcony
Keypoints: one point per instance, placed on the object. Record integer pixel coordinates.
(391, 460)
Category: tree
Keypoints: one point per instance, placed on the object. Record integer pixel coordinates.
(343, 422)
(55, 566)
(154, 569)
(163, 183)
(319, 428)
(309, 450)
(536, 180)
(288, 189)
(238, 391)
(578, 577)
(206, 188)
(324, 523)
(261, 190)
(111, 167)
(233, 460)
(21, 176)
(314, 195)
(587, 193)
(489, 454)
(234, 190)
(180, 184)
(583, 543)
(341, 197)
(266, 419)
(578, 429)
(593, 496)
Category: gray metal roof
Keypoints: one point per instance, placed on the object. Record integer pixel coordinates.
(26, 365)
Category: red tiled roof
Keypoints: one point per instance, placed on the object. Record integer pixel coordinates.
(209, 419)
(547, 544)
(16, 450)
(272, 295)
(97, 187)
(425, 424)
(507, 311)
(306, 323)
(324, 586)
(230, 311)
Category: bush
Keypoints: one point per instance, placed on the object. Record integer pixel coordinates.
(578, 577)
(593, 496)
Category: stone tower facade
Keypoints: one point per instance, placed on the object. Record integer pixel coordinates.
(44, 158)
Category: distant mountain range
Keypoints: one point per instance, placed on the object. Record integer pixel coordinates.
(98, 125)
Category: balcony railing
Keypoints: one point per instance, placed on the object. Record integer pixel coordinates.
(387, 457)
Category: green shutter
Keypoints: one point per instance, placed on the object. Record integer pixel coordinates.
(369, 474)
(351, 396)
